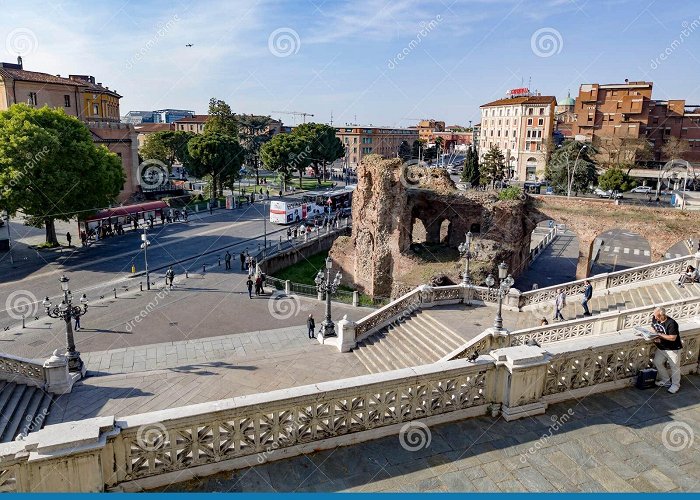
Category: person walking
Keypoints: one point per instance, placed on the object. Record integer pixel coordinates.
(77, 321)
(289, 233)
(668, 348)
(227, 260)
(169, 277)
(249, 284)
(211, 207)
(242, 257)
(83, 238)
(311, 326)
(587, 294)
(559, 304)
(258, 285)
(68, 238)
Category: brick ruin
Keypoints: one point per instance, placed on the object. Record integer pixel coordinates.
(391, 197)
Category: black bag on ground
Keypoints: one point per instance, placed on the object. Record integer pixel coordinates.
(646, 379)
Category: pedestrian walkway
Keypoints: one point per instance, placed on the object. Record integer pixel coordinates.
(556, 264)
(622, 441)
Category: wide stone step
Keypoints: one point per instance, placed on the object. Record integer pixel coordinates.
(20, 413)
(10, 407)
(448, 334)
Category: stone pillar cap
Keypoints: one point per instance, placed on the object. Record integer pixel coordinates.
(56, 359)
(520, 355)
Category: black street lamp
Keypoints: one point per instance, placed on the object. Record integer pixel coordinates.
(325, 285)
(466, 250)
(67, 311)
(506, 281)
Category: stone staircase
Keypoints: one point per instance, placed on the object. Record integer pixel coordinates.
(23, 409)
(418, 340)
(655, 293)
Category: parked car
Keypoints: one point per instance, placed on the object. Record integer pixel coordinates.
(601, 192)
(642, 189)
(616, 195)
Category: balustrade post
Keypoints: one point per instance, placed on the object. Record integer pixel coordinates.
(346, 334)
(58, 379)
(287, 287)
(355, 298)
(426, 294)
(519, 380)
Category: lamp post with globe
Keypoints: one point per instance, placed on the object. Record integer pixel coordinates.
(506, 281)
(67, 311)
(325, 285)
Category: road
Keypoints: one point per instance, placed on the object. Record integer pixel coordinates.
(107, 264)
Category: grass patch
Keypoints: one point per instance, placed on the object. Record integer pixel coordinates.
(304, 272)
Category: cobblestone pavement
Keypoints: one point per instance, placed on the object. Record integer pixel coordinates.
(621, 441)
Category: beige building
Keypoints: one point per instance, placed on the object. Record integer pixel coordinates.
(196, 124)
(145, 129)
(81, 97)
(522, 128)
(361, 141)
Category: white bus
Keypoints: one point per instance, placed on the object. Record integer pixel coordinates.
(287, 212)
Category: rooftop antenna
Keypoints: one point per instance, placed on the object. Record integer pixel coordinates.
(355, 118)
(331, 117)
(529, 84)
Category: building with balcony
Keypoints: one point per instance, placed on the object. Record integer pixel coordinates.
(522, 127)
(360, 141)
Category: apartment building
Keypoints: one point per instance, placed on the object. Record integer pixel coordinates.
(521, 126)
(195, 124)
(428, 128)
(360, 141)
(674, 119)
(79, 96)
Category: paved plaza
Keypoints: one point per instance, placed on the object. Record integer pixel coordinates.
(623, 441)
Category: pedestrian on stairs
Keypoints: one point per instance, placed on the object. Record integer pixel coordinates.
(559, 304)
(587, 294)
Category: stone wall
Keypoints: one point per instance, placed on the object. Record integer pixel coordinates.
(300, 252)
(391, 197)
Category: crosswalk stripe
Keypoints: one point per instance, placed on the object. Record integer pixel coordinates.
(627, 250)
(647, 253)
(636, 251)
(606, 249)
(616, 250)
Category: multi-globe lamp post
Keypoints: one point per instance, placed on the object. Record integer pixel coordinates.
(325, 285)
(506, 281)
(67, 311)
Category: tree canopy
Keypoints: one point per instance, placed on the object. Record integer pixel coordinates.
(325, 146)
(221, 119)
(51, 169)
(492, 169)
(616, 179)
(217, 155)
(562, 167)
(167, 146)
(286, 154)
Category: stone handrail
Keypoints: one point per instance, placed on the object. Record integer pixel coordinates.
(544, 243)
(174, 445)
(21, 370)
(610, 280)
(681, 309)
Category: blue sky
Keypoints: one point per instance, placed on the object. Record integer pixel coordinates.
(341, 56)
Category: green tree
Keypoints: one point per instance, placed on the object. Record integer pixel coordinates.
(493, 167)
(439, 141)
(616, 179)
(253, 132)
(218, 156)
(325, 146)
(405, 151)
(286, 154)
(51, 169)
(167, 146)
(564, 168)
(471, 173)
(221, 119)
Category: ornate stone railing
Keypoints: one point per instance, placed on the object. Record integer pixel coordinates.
(595, 364)
(21, 370)
(611, 280)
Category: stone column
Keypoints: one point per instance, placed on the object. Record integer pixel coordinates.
(346, 334)
(585, 248)
(355, 298)
(426, 296)
(521, 373)
(58, 380)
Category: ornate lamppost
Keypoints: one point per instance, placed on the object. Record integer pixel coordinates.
(506, 281)
(325, 285)
(67, 311)
(466, 250)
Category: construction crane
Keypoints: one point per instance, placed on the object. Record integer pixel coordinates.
(294, 113)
